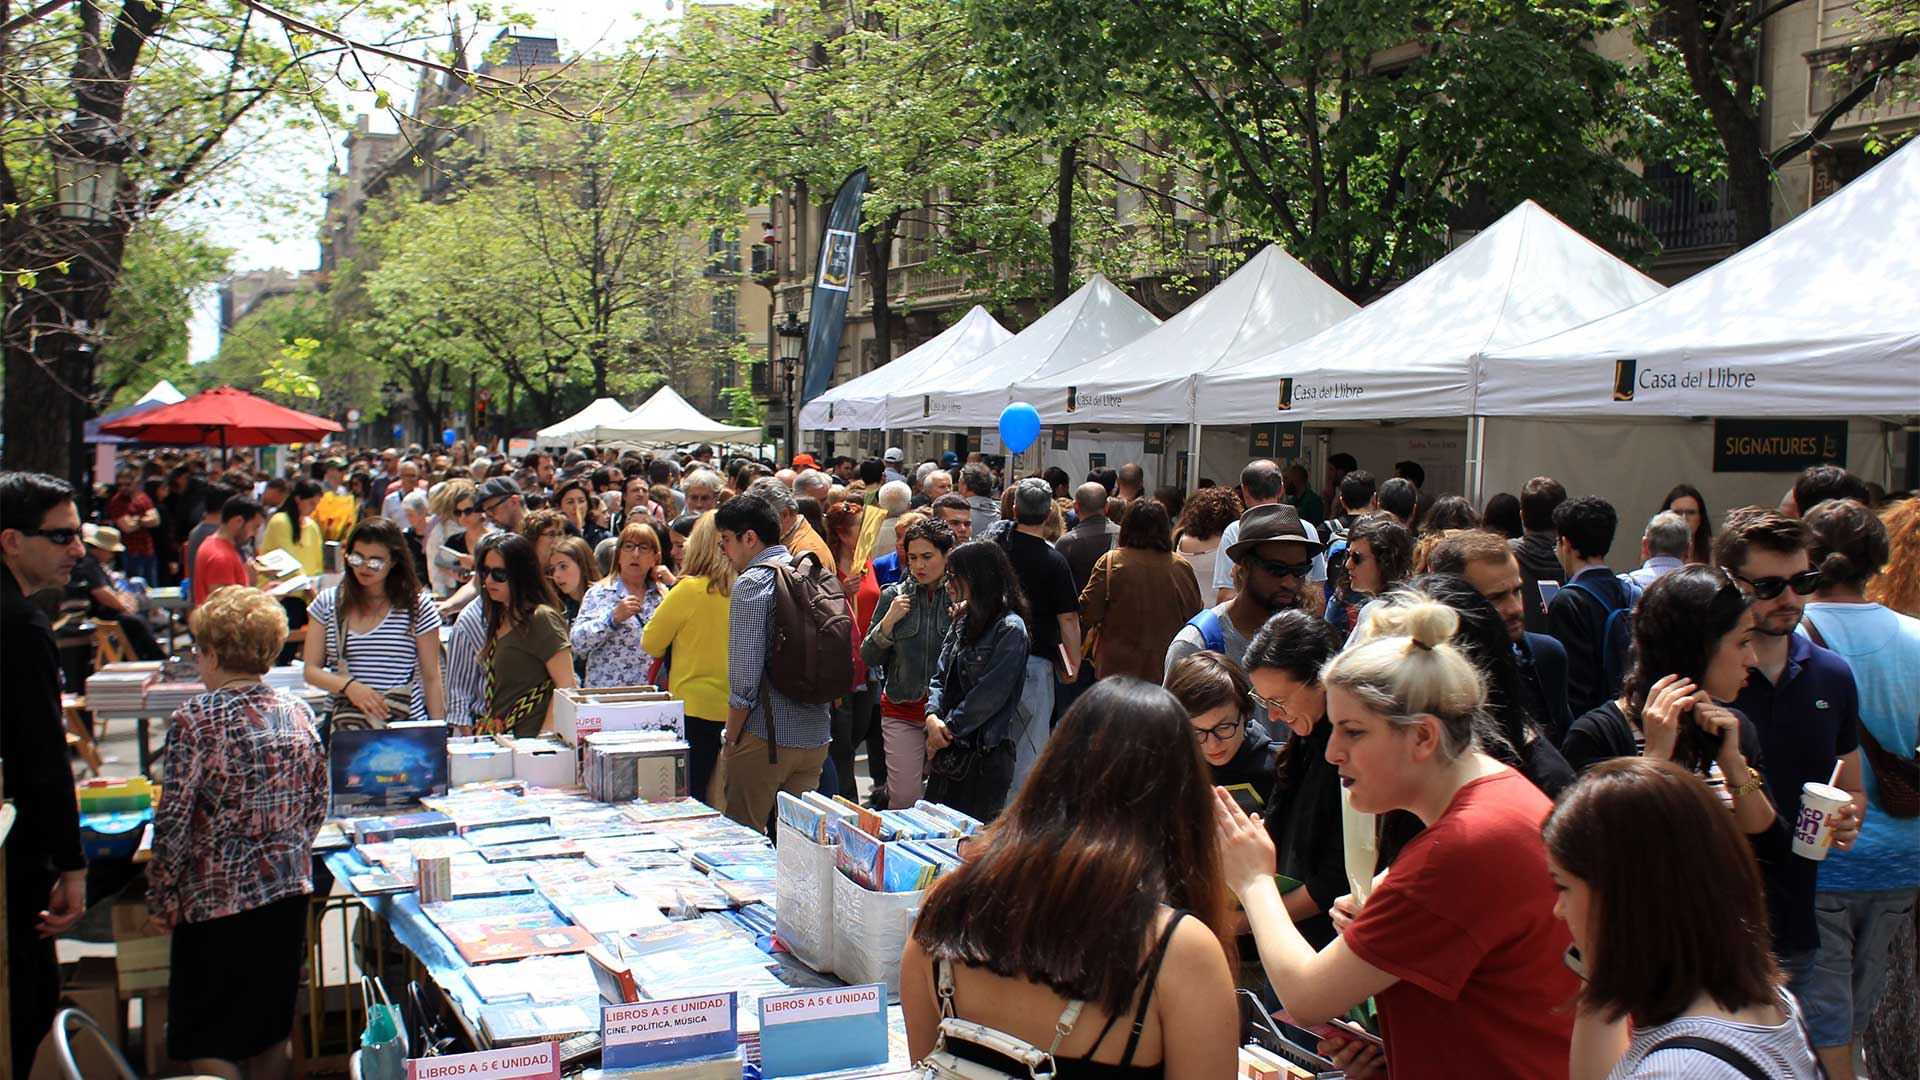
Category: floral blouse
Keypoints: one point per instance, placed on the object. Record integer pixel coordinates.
(246, 790)
(613, 652)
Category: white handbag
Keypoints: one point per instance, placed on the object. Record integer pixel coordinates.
(941, 1063)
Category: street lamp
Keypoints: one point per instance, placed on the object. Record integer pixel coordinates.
(86, 171)
(792, 360)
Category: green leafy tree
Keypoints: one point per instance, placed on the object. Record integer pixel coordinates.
(162, 273)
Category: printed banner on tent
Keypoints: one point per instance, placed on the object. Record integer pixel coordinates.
(1777, 445)
(1060, 438)
(1156, 439)
(1275, 440)
(827, 313)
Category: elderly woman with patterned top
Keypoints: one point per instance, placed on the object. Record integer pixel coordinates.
(1692, 650)
(1686, 987)
(246, 791)
(1458, 944)
(526, 657)
(615, 612)
(379, 631)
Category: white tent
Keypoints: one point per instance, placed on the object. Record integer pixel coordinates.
(862, 402)
(570, 431)
(1821, 318)
(667, 418)
(1092, 322)
(1413, 353)
(163, 392)
(1269, 303)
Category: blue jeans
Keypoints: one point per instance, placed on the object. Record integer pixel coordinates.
(1033, 722)
(1850, 972)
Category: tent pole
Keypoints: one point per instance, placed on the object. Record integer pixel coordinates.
(1476, 457)
(1193, 457)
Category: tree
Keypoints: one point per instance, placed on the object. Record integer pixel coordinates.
(1712, 48)
(1356, 133)
(161, 274)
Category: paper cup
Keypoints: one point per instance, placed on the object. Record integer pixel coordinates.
(1813, 829)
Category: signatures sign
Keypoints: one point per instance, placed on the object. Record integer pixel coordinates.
(1777, 445)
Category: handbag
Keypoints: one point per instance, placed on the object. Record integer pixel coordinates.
(941, 1063)
(1899, 776)
(1090, 641)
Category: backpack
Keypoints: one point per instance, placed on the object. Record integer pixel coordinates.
(810, 656)
(1211, 635)
(1616, 638)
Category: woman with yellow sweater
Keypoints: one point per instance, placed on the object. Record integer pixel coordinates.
(692, 622)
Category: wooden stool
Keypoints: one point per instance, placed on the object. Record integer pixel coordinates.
(109, 645)
(71, 706)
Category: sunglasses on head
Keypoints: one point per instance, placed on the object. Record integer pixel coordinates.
(495, 573)
(1767, 588)
(1283, 569)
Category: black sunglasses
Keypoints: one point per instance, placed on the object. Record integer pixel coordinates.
(1283, 569)
(57, 537)
(495, 573)
(463, 511)
(1767, 588)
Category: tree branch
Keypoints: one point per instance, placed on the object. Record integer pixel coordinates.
(1899, 53)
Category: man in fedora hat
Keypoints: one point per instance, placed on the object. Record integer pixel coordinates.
(108, 599)
(1272, 560)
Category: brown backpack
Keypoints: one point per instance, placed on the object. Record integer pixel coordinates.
(810, 656)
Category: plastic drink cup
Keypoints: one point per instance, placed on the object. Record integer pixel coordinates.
(1813, 829)
(1362, 847)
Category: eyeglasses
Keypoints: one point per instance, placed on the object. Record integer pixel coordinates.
(495, 573)
(1767, 588)
(463, 511)
(56, 537)
(1283, 569)
(1219, 732)
(1274, 706)
(361, 562)
(648, 548)
(551, 534)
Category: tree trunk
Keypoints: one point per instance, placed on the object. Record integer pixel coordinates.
(1720, 70)
(879, 242)
(1060, 231)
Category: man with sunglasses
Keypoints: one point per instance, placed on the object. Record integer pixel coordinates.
(46, 871)
(1803, 701)
(1273, 559)
(499, 499)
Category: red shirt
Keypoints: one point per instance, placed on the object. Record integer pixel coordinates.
(865, 597)
(217, 563)
(1465, 922)
(139, 540)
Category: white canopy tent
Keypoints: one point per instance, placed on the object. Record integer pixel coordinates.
(862, 402)
(570, 431)
(667, 418)
(955, 394)
(163, 392)
(1269, 303)
(1821, 318)
(1413, 353)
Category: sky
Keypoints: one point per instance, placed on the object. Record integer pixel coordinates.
(264, 233)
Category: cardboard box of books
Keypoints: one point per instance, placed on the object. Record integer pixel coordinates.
(578, 713)
(803, 884)
(545, 763)
(871, 932)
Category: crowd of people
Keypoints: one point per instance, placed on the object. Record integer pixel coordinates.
(1585, 778)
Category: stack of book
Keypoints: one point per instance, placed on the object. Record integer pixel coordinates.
(622, 766)
(121, 688)
(168, 696)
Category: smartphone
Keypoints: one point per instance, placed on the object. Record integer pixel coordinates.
(1351, 1030)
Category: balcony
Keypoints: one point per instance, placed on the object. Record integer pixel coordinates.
(1681, 214)
(1833, 71)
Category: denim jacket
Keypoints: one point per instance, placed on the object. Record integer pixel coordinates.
(977, 688)
(909, 655)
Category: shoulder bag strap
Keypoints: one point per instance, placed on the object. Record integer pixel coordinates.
(1740, 1062)
(943, 986)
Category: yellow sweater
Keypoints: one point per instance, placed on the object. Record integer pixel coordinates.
(310, 549)
(692, 620)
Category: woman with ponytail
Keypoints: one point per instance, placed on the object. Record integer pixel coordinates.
(1458, 944)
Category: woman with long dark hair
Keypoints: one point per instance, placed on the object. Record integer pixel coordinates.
(378, 630)
(526, 657)
(294, 531)
(1379, 557)
(976, 690)
(904, 643)
(1502, 515)
(1697, 965)
(995, 945)
(855, 714)
(1692, 649)
(1686, 501)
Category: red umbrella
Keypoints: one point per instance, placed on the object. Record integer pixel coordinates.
(222, 417)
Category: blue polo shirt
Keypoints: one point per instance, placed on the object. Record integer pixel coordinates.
(1807, 721)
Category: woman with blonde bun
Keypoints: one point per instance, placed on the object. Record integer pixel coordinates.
(1458, 944)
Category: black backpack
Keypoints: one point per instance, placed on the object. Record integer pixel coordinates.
(810, 655)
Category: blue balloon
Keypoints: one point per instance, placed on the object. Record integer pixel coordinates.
(1019, 426)
(449, 437)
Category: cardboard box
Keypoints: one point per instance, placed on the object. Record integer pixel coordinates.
(545, 763)
(142, 959)
(579, 713)
(474, 761)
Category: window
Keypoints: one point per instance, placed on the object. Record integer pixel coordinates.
(726, 312)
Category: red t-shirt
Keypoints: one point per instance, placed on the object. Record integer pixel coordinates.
(1465, 922)
(217, 563)
(139, 541)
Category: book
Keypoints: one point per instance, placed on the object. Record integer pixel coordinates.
(488, 941)
(859, 855)
(512, 1025)
(379, 883)
(612, 975)
(375, 830)
(552, 848)
(615, 916)
(494, 835)
(378, 769)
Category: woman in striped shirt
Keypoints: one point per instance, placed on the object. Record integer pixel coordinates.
(378, 629)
